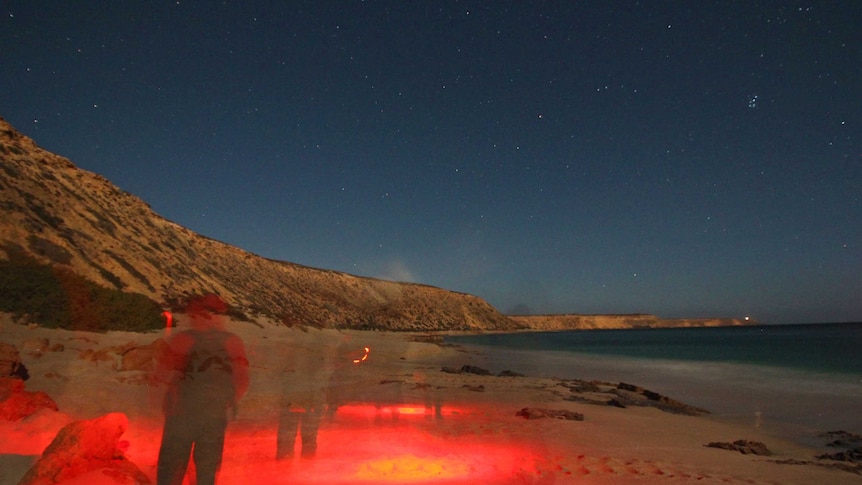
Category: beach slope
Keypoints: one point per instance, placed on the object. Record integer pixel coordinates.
(409, 411)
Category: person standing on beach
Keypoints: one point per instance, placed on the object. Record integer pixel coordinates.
(303, 397)
(206, 369)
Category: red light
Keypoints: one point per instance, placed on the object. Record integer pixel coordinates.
(169, 321)
(353, 449)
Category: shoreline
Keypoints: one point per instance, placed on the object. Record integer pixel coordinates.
(747, 394)
(477, 436)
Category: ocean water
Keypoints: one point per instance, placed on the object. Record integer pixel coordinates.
(796, 380)
(831, 348)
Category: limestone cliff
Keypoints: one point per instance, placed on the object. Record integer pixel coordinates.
(63, 215)
(599, 322)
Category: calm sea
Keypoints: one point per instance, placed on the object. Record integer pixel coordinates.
(830, 348)
(796, 380)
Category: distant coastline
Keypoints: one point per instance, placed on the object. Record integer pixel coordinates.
(623, 321)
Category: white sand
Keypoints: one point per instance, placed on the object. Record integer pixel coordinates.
(477, 438)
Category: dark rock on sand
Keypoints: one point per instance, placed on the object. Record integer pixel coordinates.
(479, 388)
(578, 385)
(623, 395)
(10, 363)
(743, 446)
(36, 346)
(842, 466)
(82, 447)
(843, 439)
(508, 373)
(852, 456)
(471, 369)
(849, 460)
(538, 413)
(467, 369)
(630, 387)
(16, 403)
(142, 358)
(630, 395)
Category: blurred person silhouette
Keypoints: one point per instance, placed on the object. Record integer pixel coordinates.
(354, 381)
(346, 383)
(303, 398)
(206, 370)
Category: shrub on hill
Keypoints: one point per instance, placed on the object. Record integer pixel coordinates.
(56, 297)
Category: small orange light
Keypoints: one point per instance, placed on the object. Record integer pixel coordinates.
(364, 357)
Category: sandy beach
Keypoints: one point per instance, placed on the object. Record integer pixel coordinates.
(400, 418)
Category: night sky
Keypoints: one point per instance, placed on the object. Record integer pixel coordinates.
(685, 159)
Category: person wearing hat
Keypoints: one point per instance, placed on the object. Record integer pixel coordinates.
(206, 370)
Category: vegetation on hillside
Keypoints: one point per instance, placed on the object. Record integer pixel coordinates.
(56, 297)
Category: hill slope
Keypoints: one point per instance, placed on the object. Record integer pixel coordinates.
(64, 215)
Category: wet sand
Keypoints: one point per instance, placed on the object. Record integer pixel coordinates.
(794, 404)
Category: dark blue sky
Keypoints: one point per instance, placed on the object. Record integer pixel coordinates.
(677, 158)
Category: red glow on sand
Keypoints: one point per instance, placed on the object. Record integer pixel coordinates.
(353, 451)
(412, 410)
(358, 448)
(413, 469)
(374, 411)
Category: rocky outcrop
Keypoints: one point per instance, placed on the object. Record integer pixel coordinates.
(36, 346)
(144, 357)
(853, 456)
(16, 403)
(842, 439)
(745, 447)
(467, 369)
(479, 371)
(86, 446)
(631, 395)
(623, 395)
(539, 413)
(10, 363)
(849, 460)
